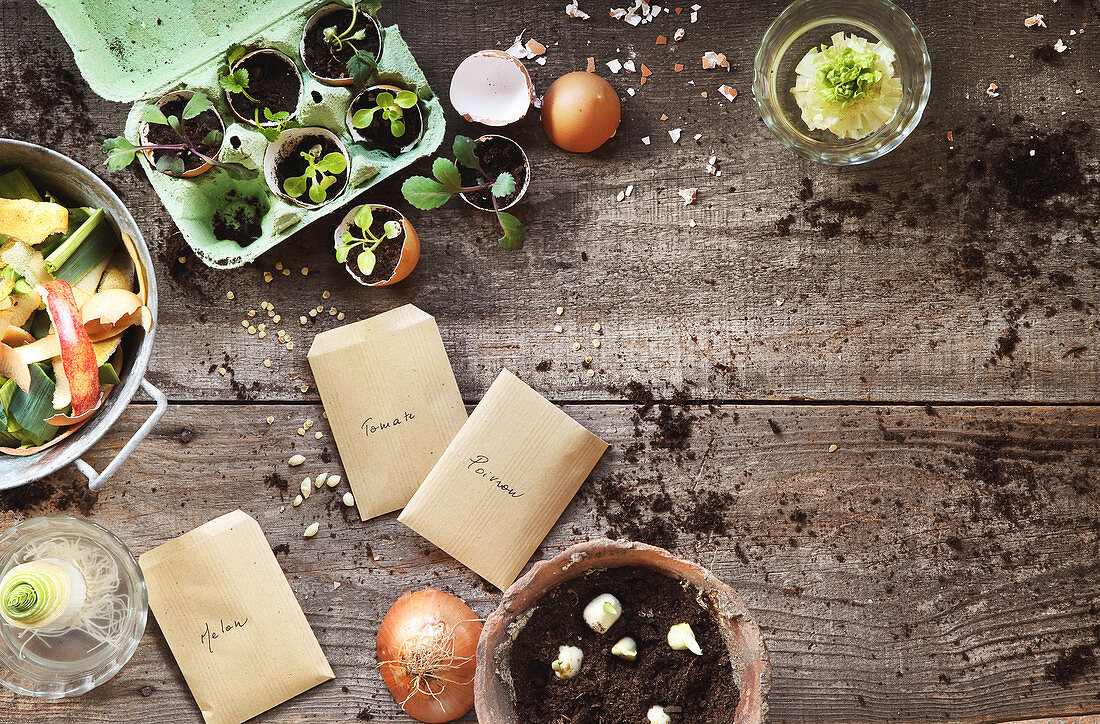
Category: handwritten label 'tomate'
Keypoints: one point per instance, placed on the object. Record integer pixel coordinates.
(373, 426)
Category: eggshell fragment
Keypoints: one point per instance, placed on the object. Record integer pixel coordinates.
(580, 112)
(492, 88)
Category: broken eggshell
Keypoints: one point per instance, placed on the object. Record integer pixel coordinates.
(492, 88)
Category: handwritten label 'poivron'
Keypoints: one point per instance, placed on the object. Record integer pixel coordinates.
(478, 465)
(373, 426)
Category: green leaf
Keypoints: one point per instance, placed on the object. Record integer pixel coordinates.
(199, 102)
(295, 186)
(514, 236)
(15, 184)
(83, 249)
(366, 262)
(384, 99)
(464, 151)
(392, 229)
(363, 117)
(344, 249)
(107, 374)
(276, 117)
(397, 128)
(425, 193)
(364, 217)
(361, 66)
(270, 133)
(406, 99)
(504, 185)
(120, 153)
(235, 82)
(174, 122)
(30, 409)
(333, 163)
(235, 53)
(447, 174)
(212, 140)
(152, 114)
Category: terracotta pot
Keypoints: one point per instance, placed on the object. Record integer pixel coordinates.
(526, 181)
(410, 250)
(357, 135)
(143, 134)
(286, 59)
(493, 694)
(319, 16)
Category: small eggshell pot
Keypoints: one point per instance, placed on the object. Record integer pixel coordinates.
(493, 687)
(353, 106)
(320, 16)
(288, 143)
(286, 58)
(482, 91)
(526, 181)
(143, 134)
(410, 250)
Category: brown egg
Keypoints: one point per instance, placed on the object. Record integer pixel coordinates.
(580, 111)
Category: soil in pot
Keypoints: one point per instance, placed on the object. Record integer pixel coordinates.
(496, 155)
(293, 164)
(239, 219)
(378, 134)
(610, 690)
(196, 129)
(387, 255)
(272, 81)
(322, 60)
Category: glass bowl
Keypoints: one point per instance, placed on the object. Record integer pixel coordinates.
(71, 661)
(806, 24)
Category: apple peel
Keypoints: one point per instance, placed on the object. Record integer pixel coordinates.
(14, 367)
(77, 353)
(61, 420)
(110, 311)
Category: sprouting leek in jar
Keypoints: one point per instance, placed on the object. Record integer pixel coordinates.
(848, 88)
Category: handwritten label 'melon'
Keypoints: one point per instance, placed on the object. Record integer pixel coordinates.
(477, 467)
(371, 426)
(208, 636)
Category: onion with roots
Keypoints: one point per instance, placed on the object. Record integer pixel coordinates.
(427, 650)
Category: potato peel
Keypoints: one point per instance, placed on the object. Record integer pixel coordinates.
(32, 222)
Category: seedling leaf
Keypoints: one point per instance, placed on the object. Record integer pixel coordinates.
(425, 193)
(364, 217)
(212, 140)
(464, 151)
(504, 185)
(363, 117)
(361, 66)
(199, 102)
(295, 186)
(514, 236)
(406, 99)
(447, 174)
(392, 229)
(152, 114)
(120, 153)
(333, 163)
(366, 262)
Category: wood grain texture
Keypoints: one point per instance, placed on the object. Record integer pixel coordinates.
(930, 569)
(905, 301)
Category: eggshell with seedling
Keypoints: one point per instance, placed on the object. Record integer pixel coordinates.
(492, 88)
(580, 112)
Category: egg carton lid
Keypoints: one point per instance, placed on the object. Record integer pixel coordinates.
(132, 49)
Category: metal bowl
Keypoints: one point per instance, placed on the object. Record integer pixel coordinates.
(74, 183)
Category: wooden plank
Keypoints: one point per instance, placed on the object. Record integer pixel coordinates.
(938, 290)
(934, 568)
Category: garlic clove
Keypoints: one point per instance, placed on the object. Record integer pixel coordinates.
(625, 648)
(602, 612)
(568, 663)
(681, 637)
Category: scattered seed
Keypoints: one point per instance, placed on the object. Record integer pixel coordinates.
(591, 373)
(597, 327)
(267, 363)
(306, 487)
(278, 266)
(596, 343)
(340, 316)
(301, 431)
(576, 346)
(832, 448)
(296, 460)
(270, 420)
(312, 529)
(317, 436)
(221, 370)
(290, 345)
(305, 271)
(318, 483)
(229, 295)
(559, 311)
(349, 499)
(333, 481)
(558, 328)
(268, 277)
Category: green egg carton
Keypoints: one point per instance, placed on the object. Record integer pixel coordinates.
(139, 50)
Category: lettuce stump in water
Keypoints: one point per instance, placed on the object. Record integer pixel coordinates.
(848, 88)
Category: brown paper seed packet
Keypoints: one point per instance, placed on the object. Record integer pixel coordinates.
(504, 481)
(392, 402)
(231, 619)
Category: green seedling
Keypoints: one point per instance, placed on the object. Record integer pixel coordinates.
(362, 63)
(431, 193)
(366, 260)
(391, 107)
(276, 124)
(121, 152)
(319, 175)
(235, 81)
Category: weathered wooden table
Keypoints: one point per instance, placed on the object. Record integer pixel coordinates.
(875, 386)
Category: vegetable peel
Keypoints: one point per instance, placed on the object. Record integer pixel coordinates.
(14, 367)
(77, 354)
(32, 222)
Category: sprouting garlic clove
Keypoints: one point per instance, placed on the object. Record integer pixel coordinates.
(312, 529)
(658, 715)
(306, 487)
(681, 637)
(625, 648)
(602, 612)
(568, 663)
